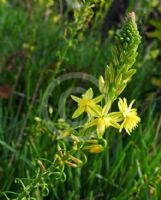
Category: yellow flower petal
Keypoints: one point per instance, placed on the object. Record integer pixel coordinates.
(97, 109)
(122, 104)
(78, 112)
(106, 108)
(131, 104)
(98, 99)
(88, 94)
(91, 112)
(114, 124)
(91, 123)
(77, 99)
(101, 127)
(117, 116)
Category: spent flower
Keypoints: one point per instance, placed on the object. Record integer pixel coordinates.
(130, 116)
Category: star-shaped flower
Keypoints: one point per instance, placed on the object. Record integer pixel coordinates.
(104, 120)
(87, 104)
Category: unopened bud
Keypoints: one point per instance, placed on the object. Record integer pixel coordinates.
(70, 164)
(64, 134)
(38, 119)
(42, 167)
(97, 148)
(131, 16)
(50, 110)
(101, 83)
(76, 160)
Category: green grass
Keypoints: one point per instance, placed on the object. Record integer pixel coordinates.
(129, 168)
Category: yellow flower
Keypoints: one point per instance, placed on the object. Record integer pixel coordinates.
(104, 120)
(131, 118)
(87, 104)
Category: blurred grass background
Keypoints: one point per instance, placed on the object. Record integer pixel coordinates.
(42, 39)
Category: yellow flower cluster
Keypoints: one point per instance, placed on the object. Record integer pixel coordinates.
(126, 118)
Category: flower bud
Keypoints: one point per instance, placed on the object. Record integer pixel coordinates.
(96, 148)
(101, 83)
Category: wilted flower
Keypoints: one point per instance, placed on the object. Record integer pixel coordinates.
(130, 115)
